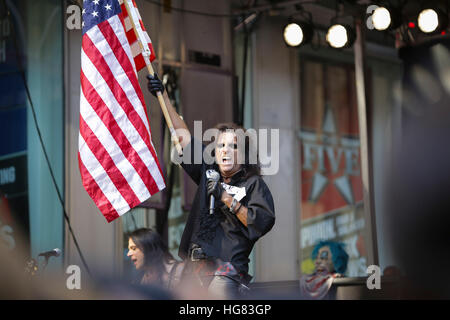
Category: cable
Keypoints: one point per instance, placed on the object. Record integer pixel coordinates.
(218, 15)
(27, 90)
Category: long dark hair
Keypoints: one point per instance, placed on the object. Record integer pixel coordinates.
(250, 147)
(155, 250)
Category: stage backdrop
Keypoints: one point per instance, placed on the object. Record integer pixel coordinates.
(331, 185)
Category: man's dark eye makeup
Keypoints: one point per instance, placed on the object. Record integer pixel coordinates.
(232, 146)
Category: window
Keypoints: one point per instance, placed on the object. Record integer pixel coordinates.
(31, 44)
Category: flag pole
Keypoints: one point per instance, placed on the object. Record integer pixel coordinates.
(146, 54)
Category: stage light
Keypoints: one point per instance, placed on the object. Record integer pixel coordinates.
(381, 18)
(293, 34)
(428, 20)
(296, 34)
(432, 20)
(386, 18)
(340, 36)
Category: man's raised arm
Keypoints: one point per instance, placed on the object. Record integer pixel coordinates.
(184, 136)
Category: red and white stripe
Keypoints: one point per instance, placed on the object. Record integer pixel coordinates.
(118, 162)
(132, 39)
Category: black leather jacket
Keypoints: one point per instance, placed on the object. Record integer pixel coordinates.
(221, 235)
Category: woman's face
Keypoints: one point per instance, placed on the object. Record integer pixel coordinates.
(136, 254)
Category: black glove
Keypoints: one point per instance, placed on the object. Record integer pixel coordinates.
(214, 188)
(154, 84)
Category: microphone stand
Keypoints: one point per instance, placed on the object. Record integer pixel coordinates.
(45, 263)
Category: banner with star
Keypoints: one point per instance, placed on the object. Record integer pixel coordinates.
(331, 185)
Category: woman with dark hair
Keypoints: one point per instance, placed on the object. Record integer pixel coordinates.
(151, 256)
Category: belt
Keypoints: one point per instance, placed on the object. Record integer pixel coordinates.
(196, 253)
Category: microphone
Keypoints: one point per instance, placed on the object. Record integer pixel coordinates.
(212, 175)
(52, 253)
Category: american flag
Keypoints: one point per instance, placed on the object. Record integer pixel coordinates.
(117, 159)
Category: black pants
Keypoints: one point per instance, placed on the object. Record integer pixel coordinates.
(203, 272)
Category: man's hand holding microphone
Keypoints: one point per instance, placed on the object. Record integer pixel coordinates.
(214, 188)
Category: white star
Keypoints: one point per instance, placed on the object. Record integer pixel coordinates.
(95, 2)
(84, 11)
(108, 7)
(95, 14)
(82, 24)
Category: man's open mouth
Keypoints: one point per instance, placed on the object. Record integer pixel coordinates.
(227, 160)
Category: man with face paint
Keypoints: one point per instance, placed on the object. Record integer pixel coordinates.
(324, 261)
(216, 244)
(330, 261)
